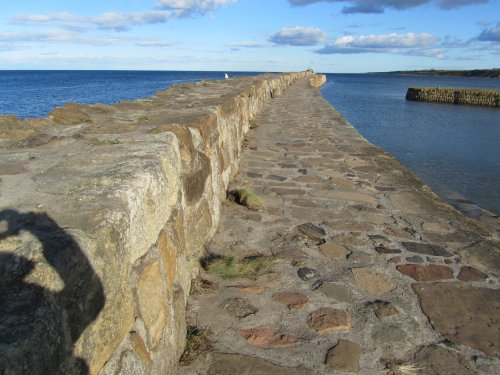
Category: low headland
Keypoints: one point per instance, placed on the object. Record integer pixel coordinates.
(478, 73)
(120, 252)
(470, 96)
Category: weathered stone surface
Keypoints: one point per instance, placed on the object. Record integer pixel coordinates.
(432, 272)
(344, 356)
(350, 196)
(251, 289)
(484, 256)
(384, 309)
(471, 274)
(231, 364)
(306, 273)
(238, 307)
(152, 301)
(265, 337)
(291, 300)
(194, 182)
(384, 250)
(458, 311)
(437, 228)
(118, 272)
(390, 333)
(336, 291)
(436, 360)
(334, 250)
(371, 282)
(407, 202)
(167, 251)
(302, 202)
(312, 231)
(329, 320)
(422, 248)
(415, 259)
(284, 191)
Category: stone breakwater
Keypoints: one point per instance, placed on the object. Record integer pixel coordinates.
(104, 213)
(356, 266)
(488, 98)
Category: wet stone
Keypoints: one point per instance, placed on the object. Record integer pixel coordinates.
(344, 356)
(328, 320)
(291, 300)
(336, 291)
(384, 250)
(415, 259)
(239, 308)
(265, 337)
(422, 248)
(384, 309)
(458, 311)
(432, 272)
(334, 251)
(307, 274)
(471, 274)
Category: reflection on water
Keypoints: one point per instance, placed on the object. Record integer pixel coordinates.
(454, 149)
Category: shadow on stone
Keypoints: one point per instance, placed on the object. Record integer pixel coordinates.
(40, 326)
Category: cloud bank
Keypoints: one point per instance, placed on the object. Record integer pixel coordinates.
(298, 36)
(412, 44)
(379, 6)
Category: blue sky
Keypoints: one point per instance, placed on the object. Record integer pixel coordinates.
(250, 35)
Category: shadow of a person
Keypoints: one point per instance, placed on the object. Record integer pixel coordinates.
(39, 326)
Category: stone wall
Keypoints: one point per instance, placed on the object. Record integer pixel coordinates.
(104, 213)
(489, 98)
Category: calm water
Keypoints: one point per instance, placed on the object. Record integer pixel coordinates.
(35, 93)
(454, 149)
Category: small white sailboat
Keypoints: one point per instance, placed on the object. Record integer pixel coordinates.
(226, 76)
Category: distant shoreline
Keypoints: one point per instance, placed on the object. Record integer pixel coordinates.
(477, 73)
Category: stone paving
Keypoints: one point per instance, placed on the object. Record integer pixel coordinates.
(371, 272)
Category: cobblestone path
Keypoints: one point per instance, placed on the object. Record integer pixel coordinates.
(358, 267)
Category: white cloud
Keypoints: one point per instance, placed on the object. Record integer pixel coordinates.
(299, 36)
(56, 36)
(153, 43)
(246, 45)
(186, 8)
(415, 44)
(114, 21)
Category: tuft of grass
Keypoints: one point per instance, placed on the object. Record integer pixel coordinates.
(115, 142)
(202, 286)
(404, 369)
(143, 118)
(229, 267)
(197, 343)
(247, 198)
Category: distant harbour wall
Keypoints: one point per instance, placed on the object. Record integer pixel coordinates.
(487, 98)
